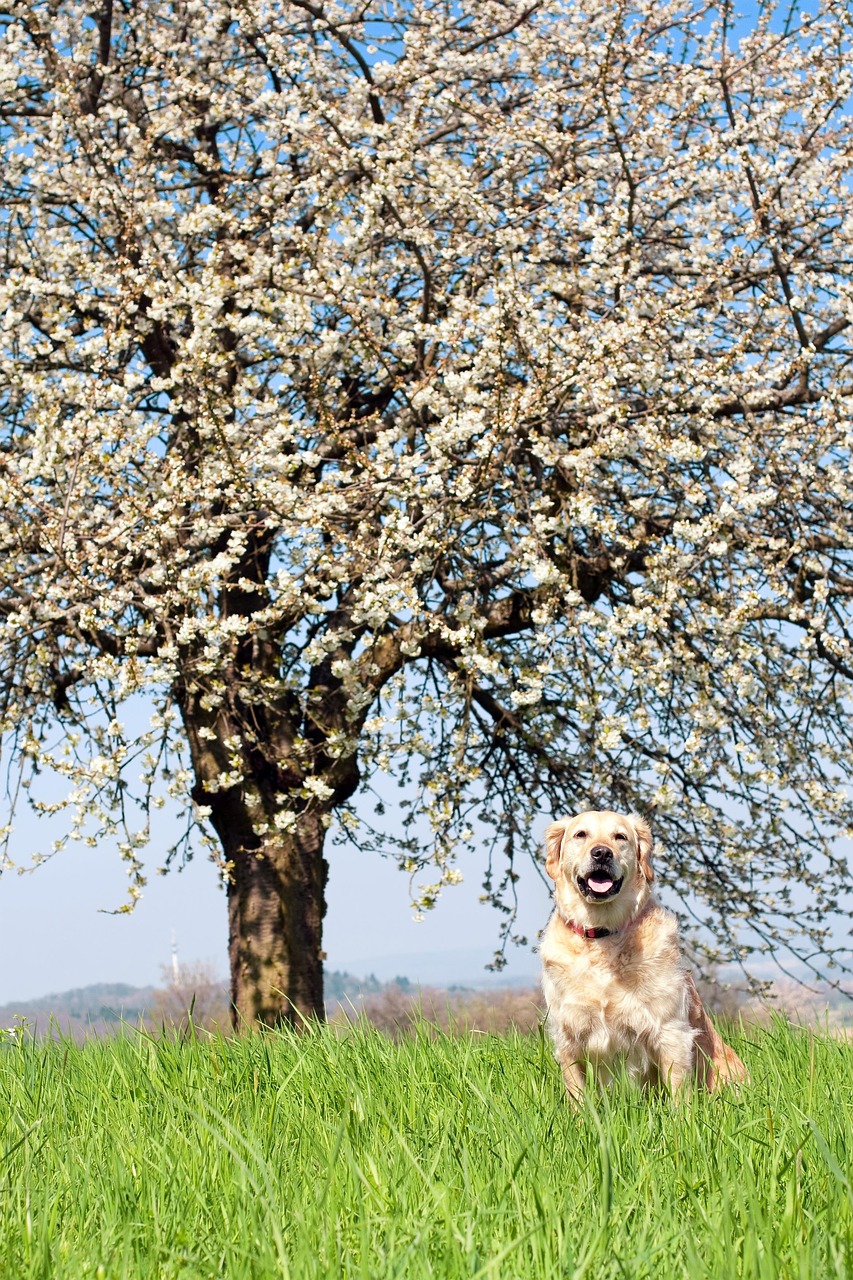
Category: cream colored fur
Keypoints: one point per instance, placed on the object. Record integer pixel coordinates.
(628, 998)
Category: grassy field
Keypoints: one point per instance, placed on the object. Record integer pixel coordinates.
(356, 1156)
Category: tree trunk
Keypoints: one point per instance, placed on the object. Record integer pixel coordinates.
(276, 904)
(276, 879)
(276, 885)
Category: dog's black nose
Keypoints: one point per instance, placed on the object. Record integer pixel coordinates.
(601, 853)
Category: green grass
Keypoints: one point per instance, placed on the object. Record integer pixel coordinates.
(359, 1157)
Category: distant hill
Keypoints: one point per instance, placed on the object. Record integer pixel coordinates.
(96, 1009)
(102, 1007)
(341, 988)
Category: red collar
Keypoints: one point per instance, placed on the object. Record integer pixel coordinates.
(605, 933)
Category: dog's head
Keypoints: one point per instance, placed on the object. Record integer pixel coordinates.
(600, 863)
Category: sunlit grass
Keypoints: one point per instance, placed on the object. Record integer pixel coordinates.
(329, 1155)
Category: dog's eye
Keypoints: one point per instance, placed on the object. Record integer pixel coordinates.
(620, 835)
(580, 835)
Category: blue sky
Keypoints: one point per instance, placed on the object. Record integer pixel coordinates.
(55, 933)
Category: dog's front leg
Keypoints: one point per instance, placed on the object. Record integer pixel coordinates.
(574, 1073)
(675, 1055)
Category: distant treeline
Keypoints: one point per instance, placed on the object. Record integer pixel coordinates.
(103, 1006)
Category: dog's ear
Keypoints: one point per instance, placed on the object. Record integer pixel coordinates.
(645, 844)
(553, 843)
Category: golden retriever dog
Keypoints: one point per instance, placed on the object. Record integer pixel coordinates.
(614, 979)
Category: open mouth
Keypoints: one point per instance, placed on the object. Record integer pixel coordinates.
(599, 886)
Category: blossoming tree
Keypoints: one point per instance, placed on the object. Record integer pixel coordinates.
(459, 390)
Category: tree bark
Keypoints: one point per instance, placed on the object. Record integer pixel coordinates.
(276, 886)
(276, 904)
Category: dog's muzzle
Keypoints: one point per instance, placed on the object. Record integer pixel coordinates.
(601, 880)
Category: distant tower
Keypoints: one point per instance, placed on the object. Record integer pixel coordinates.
(176, 968)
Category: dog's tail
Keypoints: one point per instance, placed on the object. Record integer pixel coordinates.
(717, 1064)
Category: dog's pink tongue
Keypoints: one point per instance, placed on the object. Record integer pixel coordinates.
(601, 884)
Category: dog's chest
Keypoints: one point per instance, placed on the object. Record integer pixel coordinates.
(609, 1001)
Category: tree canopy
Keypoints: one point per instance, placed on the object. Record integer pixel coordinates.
(459, 390)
